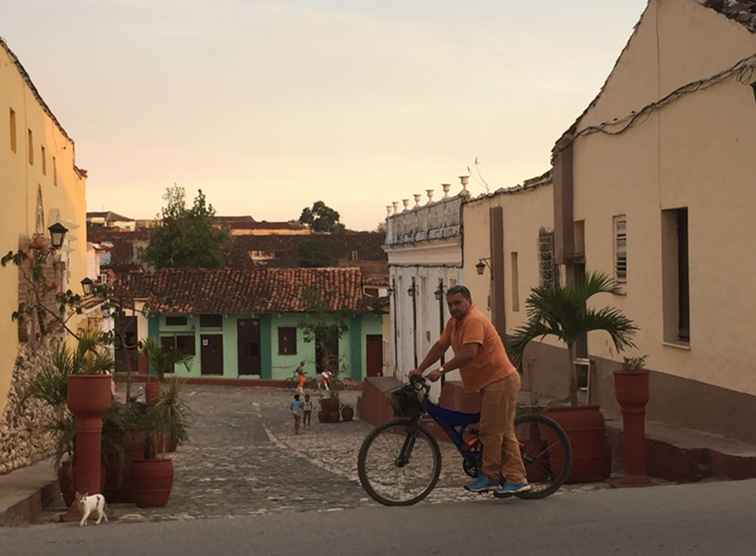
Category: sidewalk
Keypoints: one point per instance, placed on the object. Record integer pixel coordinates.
(25, 492)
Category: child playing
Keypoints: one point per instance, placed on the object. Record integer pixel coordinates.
(301, 378)
(296, 409)
(307, 411)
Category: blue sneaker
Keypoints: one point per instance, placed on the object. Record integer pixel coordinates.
(482, 484)
(510, 489)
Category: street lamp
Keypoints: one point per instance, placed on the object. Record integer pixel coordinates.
(86, 285)
(57, 235)
(482, 264)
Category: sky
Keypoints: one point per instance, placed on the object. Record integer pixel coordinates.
(271, 105)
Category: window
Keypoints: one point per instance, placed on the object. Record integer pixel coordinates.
(168, 343)
(620, 249)
(176, 321)
(515, 283)
(211, 321)
(31, 146)
(12, 117)
(185, 344)
(55, 172)
(287, 340)
(675, 276)
(547, 270)
(44, 161)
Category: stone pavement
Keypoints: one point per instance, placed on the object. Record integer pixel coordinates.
(243, 459)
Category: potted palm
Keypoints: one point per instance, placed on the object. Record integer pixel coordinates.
(162, 361)
(563, 312)
(151, 477)
(173, 415)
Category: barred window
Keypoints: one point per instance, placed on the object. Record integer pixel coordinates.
(620, 249)
(547, 270)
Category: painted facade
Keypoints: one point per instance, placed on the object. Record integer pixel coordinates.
(273, 364)
(41, 185)
(424, 248)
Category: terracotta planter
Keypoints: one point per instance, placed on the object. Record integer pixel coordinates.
(347, 413)
(591, 455)
(39, 242)
(152, 391)
(329, 405)
(134, 451)
(89, 394)
(632, 392)
(89, 397)
(328, 416)
(152, 481)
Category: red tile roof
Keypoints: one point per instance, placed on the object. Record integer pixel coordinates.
(228, 291)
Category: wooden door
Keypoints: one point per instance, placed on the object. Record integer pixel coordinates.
(212, 354)
(248, 346)
(374, 352)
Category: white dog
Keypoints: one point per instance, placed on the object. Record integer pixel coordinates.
(88, 504)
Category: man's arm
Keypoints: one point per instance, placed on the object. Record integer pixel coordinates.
(461, 359)
(433, 356)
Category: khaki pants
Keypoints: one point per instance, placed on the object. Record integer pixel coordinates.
(501, 450)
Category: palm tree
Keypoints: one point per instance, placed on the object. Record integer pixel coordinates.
(564, 313)
(161, 359)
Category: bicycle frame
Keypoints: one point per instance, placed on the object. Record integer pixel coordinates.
(453, 423)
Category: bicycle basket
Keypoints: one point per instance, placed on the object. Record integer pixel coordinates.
(405, 402)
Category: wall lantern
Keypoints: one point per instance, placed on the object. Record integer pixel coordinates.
(86, 286)
(481, 266)
(57, 235)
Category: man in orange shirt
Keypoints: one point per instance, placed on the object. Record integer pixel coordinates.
(485, 367)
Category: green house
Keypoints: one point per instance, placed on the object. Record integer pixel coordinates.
(261, 323)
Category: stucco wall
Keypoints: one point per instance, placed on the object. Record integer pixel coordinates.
(695, 153)
(20, 182)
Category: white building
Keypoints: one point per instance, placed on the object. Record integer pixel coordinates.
(424, 247)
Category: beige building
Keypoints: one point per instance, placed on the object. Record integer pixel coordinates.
(41, 186)
(655, 185)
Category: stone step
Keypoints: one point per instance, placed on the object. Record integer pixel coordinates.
(24, 493)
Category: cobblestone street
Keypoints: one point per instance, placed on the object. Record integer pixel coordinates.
(244, 459)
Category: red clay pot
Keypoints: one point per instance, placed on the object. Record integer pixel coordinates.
(591, 455)
(152, 480)
(89, 394)
(632, 392)
(347, 413)
(152, 391)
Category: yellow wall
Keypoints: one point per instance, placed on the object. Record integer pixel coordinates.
(525, 212)
(19, 182)
(698, 153)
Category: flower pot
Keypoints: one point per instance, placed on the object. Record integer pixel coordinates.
(591, 455)
(632, 392)
(39, 242)
(347, 413)
(631, 389)
(328, 416)
(89, 394)
(151, 391)
(329, 405)
(152, 481)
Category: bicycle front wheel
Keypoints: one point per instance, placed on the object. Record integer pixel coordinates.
(399, 463)
(546, 453)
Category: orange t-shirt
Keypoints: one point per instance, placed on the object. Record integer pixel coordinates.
(492, 363)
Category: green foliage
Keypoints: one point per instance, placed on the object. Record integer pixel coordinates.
(634, 364)
(186, 237)
(50, 384)
(321, 218)
(161, 359)
(322, 326)
(313, 253)
(172, 414)
(564, 314)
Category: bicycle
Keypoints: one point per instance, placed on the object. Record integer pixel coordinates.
(404, 446)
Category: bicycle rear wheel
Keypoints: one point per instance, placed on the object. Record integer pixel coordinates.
(399, 463)
(546, 452)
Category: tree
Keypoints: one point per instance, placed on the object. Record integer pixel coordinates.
(323, 327)
(186, 237)
(322, 218)
(564, 313)
(313, 253)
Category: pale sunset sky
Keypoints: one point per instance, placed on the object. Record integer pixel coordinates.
(271, 105)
